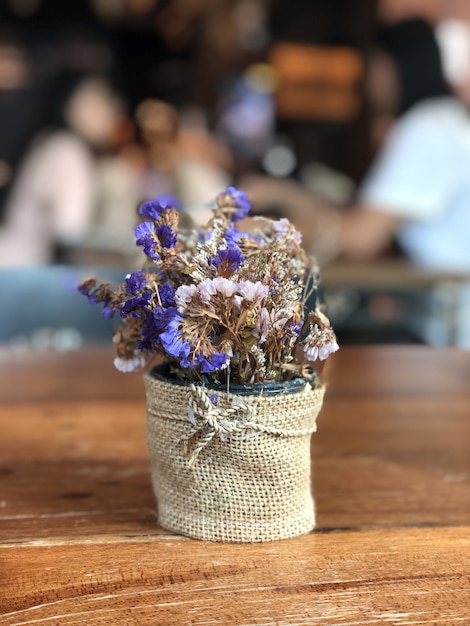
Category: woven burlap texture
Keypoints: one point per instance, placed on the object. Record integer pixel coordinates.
(240, 484)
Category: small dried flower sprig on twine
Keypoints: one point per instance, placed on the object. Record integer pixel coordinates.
(219, 305)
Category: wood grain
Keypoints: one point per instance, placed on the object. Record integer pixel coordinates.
(79, 542)
(376, 577)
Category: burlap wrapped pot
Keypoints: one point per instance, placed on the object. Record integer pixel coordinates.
(229, 467)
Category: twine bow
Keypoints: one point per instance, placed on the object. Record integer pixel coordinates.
(210, 420)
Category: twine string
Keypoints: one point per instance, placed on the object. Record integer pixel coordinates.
(210, 420)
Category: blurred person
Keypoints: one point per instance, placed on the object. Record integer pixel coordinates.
(204, 165)
(174, 154)
(396, 11)
(189, 161)
(453, 36)
(418, 188)
(17, 109)
(53, 197)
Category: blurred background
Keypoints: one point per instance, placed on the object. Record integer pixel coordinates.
(357, 108)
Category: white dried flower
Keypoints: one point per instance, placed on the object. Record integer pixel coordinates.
(133, 364)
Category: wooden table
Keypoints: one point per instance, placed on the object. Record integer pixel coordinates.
(79, 541)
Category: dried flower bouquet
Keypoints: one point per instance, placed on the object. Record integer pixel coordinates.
(221, 306)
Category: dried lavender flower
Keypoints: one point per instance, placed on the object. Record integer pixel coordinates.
(218, 305)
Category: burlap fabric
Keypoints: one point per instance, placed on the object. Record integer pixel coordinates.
(231, 468)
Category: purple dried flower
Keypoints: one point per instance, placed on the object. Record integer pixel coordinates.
(154, 323)
(135, 306)
(153, 208)
(214, 398)
(168, 202)
(233, 236)
(135, 282)
(88, 289)
(229, 258)
(233, 198)
(84, 289)
(166, 235)
(144, 229)
(167, 295)
(107, 311)
(212, 363)
(173, 342)
(97, 295)
(178, 347)
(223, 294)
(145, 237)
(293, 330)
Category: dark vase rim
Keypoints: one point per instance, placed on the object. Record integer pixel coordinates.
(295, 385)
